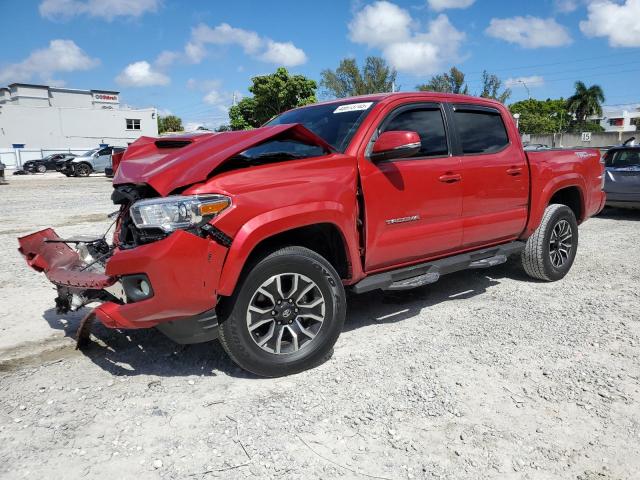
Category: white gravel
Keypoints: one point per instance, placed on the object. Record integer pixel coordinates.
(486, 374)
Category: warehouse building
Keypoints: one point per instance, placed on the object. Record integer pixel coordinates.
(41, 118)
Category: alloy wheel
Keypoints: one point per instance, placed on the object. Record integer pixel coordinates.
(286, 313)
(560, 243)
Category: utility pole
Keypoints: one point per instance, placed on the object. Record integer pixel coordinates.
(527, 88)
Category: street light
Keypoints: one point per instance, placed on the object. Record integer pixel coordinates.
(527, 88)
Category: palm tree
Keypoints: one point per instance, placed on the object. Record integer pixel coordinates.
(586, 101)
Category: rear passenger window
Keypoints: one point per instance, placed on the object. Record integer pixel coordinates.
(480, 131)
(426, 122)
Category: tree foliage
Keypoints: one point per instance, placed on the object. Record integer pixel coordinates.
(491, 86)
(272, 94)
(169, 123)
(586, 101)
(448, 82)
(542, 116)
(348, 80)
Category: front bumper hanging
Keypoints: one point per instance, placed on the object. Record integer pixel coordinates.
(182, 271)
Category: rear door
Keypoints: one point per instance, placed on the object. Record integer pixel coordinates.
(623, 175)
(495, 189)
(412, 205)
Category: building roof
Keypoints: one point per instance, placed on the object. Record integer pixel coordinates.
(63, 89)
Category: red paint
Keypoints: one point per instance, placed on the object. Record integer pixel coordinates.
(411, 211)
(395, 140)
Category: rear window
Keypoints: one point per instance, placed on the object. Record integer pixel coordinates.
(623, 158)
(480, 131)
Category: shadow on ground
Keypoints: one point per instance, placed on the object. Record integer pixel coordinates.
(620, 213)
(148, 352)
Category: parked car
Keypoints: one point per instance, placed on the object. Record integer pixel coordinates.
(622, 177)
(535, 146)
(92, 161)
(253, 236)
(50, 162)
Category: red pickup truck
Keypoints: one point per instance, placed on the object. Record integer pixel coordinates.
(253, 236)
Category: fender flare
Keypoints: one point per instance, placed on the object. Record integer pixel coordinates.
(278, 221)
(541, 200)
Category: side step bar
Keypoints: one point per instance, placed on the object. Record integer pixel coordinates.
(430, 272)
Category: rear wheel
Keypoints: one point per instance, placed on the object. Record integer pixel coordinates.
(286, 315)
(82, 170)
(550, 251)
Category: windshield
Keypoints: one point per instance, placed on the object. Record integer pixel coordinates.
(335, 123)
(88, 153)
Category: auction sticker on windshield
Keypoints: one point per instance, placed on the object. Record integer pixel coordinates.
(353, 107)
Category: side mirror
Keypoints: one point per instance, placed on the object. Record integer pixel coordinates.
(395, 144)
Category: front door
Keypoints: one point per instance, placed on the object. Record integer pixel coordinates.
(412, 205)
(102, 160)
(495, 191)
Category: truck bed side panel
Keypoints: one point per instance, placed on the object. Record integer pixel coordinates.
(553, 170)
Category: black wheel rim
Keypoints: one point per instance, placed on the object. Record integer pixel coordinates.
(560, 243)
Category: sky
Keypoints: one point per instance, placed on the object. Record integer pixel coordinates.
(191, 58)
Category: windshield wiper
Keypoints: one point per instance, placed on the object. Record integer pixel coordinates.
(277, 155)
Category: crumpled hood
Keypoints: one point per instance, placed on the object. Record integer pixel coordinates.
(168, 163)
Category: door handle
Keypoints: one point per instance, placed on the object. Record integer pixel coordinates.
(450, 177)
(514, 171)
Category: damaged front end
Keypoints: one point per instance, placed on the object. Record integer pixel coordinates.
(148, 277)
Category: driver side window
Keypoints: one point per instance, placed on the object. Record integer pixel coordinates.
(428, 124)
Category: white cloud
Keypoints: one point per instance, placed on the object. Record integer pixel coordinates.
(380, 24)
(566, 6)
(166, 58)
(529, 32)
(164, 112)
(386, 26)
(59, 56)
(283, 53)
(439, 5)
(261, 48)
(141, 74)
(530, 81)
(619, 22)
(106, 9)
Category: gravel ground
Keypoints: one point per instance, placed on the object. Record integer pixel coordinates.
(485, 374)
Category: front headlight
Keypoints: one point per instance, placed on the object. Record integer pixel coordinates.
(177, 212)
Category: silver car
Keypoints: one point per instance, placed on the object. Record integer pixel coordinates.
(622, 177)
(92, 161)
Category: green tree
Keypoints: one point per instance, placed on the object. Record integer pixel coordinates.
(448, 82)
(348, 80)
(169, 123)
(585, 101)
(542, 116)
(272, 94)
(491, 86)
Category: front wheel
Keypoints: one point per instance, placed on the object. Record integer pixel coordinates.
(41, 168)
(286, 314)
(550, 251)
(82, 170)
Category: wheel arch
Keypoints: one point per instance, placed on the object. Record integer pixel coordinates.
(325, 231)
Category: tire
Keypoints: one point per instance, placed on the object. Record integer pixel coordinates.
(41, 168)
(318, 278)
(82, 170)
(546, 256)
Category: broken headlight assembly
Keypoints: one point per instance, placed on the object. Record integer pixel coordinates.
(177, 212)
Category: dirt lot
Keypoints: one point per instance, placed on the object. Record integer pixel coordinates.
(485, 374)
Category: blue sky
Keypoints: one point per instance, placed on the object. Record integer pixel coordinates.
(190, 57)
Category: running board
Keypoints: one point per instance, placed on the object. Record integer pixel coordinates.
(430, 272)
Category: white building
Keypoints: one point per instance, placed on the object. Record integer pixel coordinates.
(620, 119)
(39, 117)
